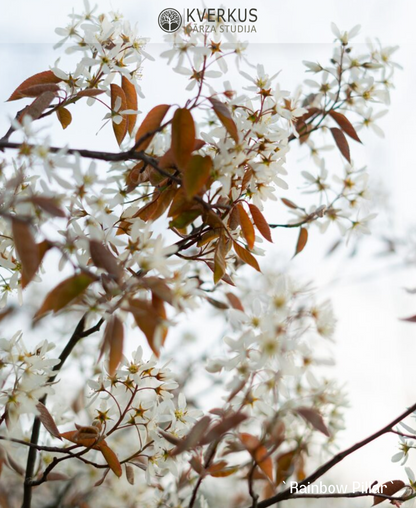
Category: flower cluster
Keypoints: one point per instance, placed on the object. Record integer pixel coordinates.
(143, 235)
(25, 377)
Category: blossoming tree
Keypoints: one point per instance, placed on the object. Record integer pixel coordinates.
(138, 237)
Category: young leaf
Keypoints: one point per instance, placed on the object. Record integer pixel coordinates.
(43, 248)
(388, 489)
(259, 453)
(220, 264)
(26, 249)
(159, 288)
(229, 422)
(411, 319)
(49, 205)
(147, 319)
(64, 293)
(289, 204)
(193, 437)
(261, 223)
(302, 240)
(111, 458)
(226, 278)
(246, 256)
(129, 474)
(235, 301)
(246, 226)
(149, 125)
(314, 418)
(285, 466)
(38, 106)
(131, 100)
(38, 79)
(64, 116)
(183, 137)
(196, 174)
(48, 422)
(102, 258)
(90, 92)
(341, 142)
(114, 339)
(119, 101)
(224, 116)
(36, 90)
(345, 125)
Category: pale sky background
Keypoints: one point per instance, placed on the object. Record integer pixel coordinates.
(374, 351)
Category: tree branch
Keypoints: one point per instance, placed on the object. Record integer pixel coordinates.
(287, 494)
(78, 334)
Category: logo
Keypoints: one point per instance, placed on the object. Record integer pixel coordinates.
(170, 20)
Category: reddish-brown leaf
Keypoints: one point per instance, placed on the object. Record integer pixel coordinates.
(246, 226)
(120, 129)
(26, 248)
(102, 258)
(261, 223)
(341, 142)
(111, 458)
(411, 319)
(64, 293)
(49, 205)
(314, 418)
(234, 301)
(220, 264)
(38, 106)
(345, 125)
(43, 248)
(148, 320)
(64, 116)
(90, 92)
(48, 422)
(41, 78)
(36, 90)
(388, 489)
(246, 256)
(285, 466)
(259, 453)
(150, 125)
(302, 240)
(114, 338)
(227, 423)
(183, 137)
(224, 472)
(289, 204)
(159, 288)
(196, 174)
(224, 116)
(131, 100)
(194, 436)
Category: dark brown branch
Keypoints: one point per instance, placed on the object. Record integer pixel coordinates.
(287, 494)
(111, 157)
(351, 494)
(78, 334)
